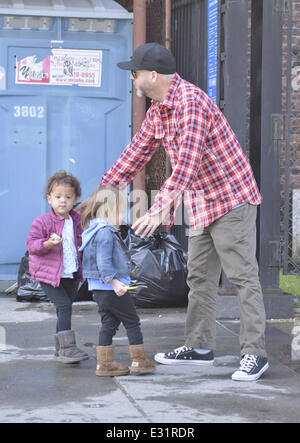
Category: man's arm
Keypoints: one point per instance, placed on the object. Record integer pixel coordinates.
(193, 129)
(134, 157)
(132, 160)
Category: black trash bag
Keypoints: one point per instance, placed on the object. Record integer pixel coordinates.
(28, 290)
(31, 291)
(83, 293)
(159, 270)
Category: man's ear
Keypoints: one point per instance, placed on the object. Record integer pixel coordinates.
(154, 76)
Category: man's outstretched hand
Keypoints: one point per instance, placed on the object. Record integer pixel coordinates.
(146, 225)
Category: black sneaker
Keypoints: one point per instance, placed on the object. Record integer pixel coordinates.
(251, 369)
(185, 356)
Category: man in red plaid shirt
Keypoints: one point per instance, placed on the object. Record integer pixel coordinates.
(212, 174)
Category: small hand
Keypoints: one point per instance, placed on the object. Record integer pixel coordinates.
(53, 241)
(119, 287)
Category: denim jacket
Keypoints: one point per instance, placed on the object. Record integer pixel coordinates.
(105, 255)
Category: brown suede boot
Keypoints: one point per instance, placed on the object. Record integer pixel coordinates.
(106, 366)
(140, 364)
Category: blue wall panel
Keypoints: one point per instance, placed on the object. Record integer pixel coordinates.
(45, 128)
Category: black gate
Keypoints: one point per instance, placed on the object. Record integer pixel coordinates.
(189, 39)
(250, 50)
(190, 47)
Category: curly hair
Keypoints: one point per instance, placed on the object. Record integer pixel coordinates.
(63, 178)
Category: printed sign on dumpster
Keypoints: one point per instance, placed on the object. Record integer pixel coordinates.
(64, 67)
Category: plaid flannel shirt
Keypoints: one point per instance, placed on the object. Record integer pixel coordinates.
(209, 168)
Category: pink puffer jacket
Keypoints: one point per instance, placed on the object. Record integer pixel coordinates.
(45, 264)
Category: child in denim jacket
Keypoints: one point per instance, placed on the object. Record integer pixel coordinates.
(106, 265)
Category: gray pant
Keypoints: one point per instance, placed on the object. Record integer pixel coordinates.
(63, 297)
(228, 243)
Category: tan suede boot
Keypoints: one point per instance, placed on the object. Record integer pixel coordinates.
(140, 364)
(106, 366)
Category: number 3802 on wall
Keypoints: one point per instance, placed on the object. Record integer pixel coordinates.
(29, 111)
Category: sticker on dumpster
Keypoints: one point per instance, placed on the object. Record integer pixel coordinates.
(66, 67)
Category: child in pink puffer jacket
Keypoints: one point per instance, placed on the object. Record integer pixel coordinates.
(54, 259)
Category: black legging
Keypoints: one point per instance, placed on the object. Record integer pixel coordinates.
(113, 311)
(63, 297)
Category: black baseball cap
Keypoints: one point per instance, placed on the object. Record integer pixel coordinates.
(151, 57)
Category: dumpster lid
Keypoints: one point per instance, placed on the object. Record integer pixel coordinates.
(65, 8)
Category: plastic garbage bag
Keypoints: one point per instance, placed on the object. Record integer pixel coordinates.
(28, 290)
(159, 269)
(31, 291)
(83, 293)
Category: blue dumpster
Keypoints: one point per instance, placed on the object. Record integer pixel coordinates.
(64, 104)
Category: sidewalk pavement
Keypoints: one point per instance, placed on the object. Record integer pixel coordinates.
(36, 389)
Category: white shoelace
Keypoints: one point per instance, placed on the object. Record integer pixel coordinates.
(177, 351)
(248, 362)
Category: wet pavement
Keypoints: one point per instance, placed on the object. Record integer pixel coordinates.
(36, 389)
